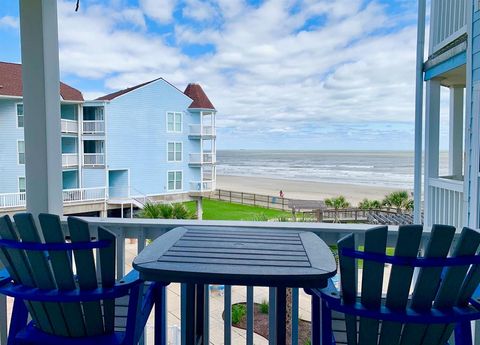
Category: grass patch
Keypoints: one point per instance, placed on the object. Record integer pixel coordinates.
(222, 210)
(238, 313)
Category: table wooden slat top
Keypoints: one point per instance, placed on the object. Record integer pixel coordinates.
(245, 256)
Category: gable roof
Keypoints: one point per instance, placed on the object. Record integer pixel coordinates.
(11, 83)
(200, 99)
(116, 94)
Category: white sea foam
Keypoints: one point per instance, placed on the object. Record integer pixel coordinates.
(387, 169)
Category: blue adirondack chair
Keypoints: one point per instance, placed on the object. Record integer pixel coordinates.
(69, 302)
(425, 311)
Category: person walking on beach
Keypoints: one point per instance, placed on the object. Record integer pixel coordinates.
(282, 195)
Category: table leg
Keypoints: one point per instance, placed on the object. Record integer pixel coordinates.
(200, 307)
(280, 319)
(194, 325)
(315, 320)
(190, 314)
(160, 336)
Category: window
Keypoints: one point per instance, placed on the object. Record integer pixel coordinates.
(22, 187)
(21, 151)
(175, 180)
(174, 152)
(174, 122)
(20, 116)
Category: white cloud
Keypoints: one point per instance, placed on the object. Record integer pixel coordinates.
(267, 73)
(9, 22)
(159, 10)
(199, 10)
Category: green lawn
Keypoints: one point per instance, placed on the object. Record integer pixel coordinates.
(221, 210)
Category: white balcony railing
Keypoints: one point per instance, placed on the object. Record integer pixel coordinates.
(18, 200)
(93, 159)
(202, 186)
(84, 194)
(12, 200)
(94, 127)
(448, 21)
(202, 158)
(446, 202)
(199, 130)
(69, 126)
(69, 160)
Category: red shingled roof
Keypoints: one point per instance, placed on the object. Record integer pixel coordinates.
(200, 99)
(11, 83)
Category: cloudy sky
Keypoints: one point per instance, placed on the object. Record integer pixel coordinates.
(283, 74)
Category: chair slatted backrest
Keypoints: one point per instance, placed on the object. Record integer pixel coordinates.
(432, 288)
(34, 268)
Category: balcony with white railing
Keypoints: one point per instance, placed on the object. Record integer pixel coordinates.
(202, 158)
(93, 127)
(93, 159)
(69, 126)
(198, 131)
(79, 195)
(448, 21)
(445, 202)
(69, 160)
(12, 200)
(202, 186)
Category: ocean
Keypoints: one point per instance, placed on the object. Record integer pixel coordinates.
(377, 168)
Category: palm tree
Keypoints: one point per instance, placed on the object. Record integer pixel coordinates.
(399, 199)
(337, 203)
(165, 211)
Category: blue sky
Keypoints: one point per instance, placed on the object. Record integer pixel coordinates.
(283, 74)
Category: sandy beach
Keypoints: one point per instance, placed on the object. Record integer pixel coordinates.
(306, 190)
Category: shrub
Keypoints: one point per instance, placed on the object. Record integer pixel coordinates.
(264, 307)
(238, 312)
(261, 217)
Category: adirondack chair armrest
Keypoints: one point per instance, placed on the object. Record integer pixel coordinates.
(475, 299)
(131, 277)
(4, 276)
(328, 293)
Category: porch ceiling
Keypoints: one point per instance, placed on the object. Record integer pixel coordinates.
(454, 77)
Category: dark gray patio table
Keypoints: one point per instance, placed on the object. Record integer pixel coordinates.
(235, 256)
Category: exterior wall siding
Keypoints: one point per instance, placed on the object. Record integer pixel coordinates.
(10, 170)
(92, 178)
(137, 137)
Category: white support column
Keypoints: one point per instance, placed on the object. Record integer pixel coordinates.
(199, 203)
(41, 99)
(455, 153)
(417, 184)
(432, 134)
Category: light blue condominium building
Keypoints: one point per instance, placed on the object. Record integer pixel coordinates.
(148, 142)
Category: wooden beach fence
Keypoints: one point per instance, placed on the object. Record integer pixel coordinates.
(252, 199)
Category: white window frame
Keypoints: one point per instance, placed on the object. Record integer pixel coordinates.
(175, 113)
(16, 115)
(18, 152)
(174, 181)
(19, 178)
(175, 152)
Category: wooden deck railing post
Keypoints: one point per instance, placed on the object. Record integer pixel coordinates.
(242, 198)
(254, 202)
